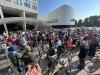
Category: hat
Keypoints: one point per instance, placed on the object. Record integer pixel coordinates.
(12, 48)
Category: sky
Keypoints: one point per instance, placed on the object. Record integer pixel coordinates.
(83, 8)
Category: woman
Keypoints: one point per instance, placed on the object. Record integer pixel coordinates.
(31, 66)
(69, 44)
(9, 38)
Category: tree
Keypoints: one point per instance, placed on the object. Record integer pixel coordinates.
(76, 23)
(79, 23)
(89, 21)
(86, 22)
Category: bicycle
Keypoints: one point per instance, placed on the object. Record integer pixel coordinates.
(9, 71)
(62, 70)
(91, 67)
(92, 64)
(70, 54)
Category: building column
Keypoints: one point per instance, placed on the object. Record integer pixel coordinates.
(2, 16)
(24, 26)
(24, 23)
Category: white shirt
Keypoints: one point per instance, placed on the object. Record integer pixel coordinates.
(58, 44)
(23, 41)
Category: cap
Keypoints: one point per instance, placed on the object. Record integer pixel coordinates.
(12, 48)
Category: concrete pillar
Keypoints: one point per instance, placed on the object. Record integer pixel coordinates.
(24, 26)
(2, 16)
(24, 23)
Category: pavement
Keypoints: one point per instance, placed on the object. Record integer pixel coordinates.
(90, 66)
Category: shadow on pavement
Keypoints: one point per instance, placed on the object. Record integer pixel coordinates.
(3, 58)
(4, 70)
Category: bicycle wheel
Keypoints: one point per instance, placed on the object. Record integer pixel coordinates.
(9, 72)
(91, 67)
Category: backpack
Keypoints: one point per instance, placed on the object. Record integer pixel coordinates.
(51, 52)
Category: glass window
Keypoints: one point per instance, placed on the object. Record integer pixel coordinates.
(18, 1)
(34, 6)
(34, 0)
(15, 1)
(27, 3)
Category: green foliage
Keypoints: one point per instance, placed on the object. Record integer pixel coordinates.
(88, 22)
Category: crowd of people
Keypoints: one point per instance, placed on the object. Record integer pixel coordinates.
(24, 41)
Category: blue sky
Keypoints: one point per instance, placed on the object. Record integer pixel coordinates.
(83, 8)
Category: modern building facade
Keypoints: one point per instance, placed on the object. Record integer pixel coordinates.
(63, 16)
(13, 11)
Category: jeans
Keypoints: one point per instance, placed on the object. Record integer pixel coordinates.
(15, 70)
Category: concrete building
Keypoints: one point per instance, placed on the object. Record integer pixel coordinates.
(61, 17)
(18, 11)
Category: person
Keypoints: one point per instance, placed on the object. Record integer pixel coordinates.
(6, 48)
(23, 40)
(59, 47)
(31, 66)
(58, 43)
(14, 56)
(69, 44)
(84, 46)
(94, 43)
(9, 38)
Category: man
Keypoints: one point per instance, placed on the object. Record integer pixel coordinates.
(14, 56)
(59, 47)
(58, 43)
(31, 66)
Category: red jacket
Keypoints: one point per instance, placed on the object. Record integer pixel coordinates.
(9, 39)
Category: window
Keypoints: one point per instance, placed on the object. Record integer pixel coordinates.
(27, 3)
(15, 1)
(34, 0)
(18, 2)
(34, 6)
(8, 0)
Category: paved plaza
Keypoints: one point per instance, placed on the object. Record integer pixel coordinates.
(94, 67)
